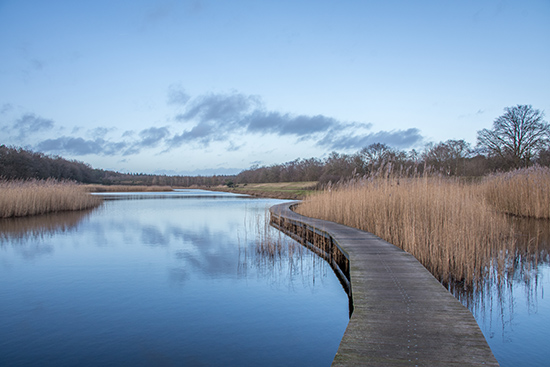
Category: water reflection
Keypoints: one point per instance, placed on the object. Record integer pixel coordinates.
(22, 228)
(180, 277)
(509, 303)
(517, 264)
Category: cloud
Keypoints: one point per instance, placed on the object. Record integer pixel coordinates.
(153, 136)
(219, 117)
(6, 107)
(226, 108)
(29, 124)
(284, 124)
(99, 132)
(400, 139)
(203, 133)
(177, 95)
(80, 146)
(231, 118)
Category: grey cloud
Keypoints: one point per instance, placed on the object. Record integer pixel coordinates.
(227, 108)
(30, 123)
(80, 146)
(177, 95)
(99, 132)
(396, 138)
(153, 136)
(234, 147)
(203, 133)
(274, 122)
(217, 116)
(6, 107)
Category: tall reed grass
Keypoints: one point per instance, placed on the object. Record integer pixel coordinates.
(25, 198)
(445, 223)
(523, 192)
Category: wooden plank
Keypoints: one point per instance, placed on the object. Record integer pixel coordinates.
(400, 315)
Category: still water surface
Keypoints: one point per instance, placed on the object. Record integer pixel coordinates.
(172, 279)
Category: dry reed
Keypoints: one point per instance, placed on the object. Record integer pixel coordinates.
(446, 224)
(523, 192)
(25, 198)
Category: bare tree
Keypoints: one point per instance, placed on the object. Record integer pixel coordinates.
(447, 157)
(517, 136)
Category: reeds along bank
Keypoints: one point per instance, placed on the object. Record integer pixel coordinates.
(523, 192)
(33, 197)
(450, 226)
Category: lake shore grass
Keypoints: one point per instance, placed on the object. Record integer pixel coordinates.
(35, 197)
(274, 190)
(449, 225)
(126, 188)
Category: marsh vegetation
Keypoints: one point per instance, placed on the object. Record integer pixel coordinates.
(20, 198)
(458, 230)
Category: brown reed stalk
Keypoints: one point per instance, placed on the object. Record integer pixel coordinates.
(523, 192)
(446, 224)
(33, 197)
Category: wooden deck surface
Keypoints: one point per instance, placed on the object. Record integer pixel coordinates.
(402, 316)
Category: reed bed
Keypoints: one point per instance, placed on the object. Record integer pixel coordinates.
(126, 188)
(445, 223)
(523, 192)
(33, 197)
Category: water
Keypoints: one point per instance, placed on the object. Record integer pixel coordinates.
(513, 308)
(173, 279)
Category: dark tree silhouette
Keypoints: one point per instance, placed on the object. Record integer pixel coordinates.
(517, 136)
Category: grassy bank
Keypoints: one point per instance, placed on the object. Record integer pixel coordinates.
(125, 188)
(25, 198)
(276, 190)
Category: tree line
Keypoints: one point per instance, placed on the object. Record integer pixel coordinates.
(518, 138)
(22, 164)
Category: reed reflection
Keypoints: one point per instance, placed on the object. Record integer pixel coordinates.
(21, 229)
(521, 266)
(278, 258)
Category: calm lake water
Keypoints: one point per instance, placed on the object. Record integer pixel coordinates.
(164, 279)
(179, 278)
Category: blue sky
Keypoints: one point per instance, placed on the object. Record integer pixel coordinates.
(202, 87)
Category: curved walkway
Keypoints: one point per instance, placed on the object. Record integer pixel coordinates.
(402, 316)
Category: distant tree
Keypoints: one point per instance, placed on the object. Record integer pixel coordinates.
(517, 136)
(447, 157)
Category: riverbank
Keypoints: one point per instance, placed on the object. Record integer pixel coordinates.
(126, 188)
(273, 190)
(35, 197)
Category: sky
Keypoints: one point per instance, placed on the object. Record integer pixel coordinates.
(214, 86)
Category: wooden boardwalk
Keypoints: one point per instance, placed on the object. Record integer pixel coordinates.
(402, 316)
